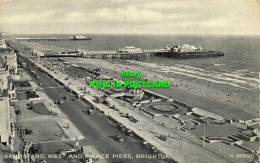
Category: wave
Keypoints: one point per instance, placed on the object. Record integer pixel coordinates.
(216, 77)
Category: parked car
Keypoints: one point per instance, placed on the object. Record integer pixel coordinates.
(129, 133)
(60, 102)
(121, 127)
(119, 138)
(163, 137)
(18, 112)
(52, 113)
(28, 132)
(132, 119)
(90, 111)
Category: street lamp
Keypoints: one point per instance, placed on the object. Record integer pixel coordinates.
(203, 143)
(99, 99)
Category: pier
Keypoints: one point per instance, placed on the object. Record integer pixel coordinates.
(43, 39)
(99, 55)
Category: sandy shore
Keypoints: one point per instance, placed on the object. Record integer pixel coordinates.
(221, 98)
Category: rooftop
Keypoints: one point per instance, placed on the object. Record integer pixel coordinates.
(4, 94)
(4, 115)
(2, 62)
(5, 49)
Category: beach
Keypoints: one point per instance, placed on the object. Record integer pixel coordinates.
(198, 92)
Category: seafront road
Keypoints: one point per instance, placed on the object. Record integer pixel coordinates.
(96, 129)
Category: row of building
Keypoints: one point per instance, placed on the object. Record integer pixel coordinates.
(8, 72)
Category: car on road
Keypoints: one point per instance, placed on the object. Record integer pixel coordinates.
(119, 138)
(52, 113)
(121, 127)
(66, 97)
(132, 119)
(129, 133)
(60, 102)
(90, 111)
(66, 151)
(28, 132)
(163, 137)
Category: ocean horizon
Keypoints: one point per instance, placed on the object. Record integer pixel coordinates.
(241, 52)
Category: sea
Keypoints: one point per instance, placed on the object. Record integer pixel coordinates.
(240, 65)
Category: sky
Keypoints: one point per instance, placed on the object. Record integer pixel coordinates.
(227, 17)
